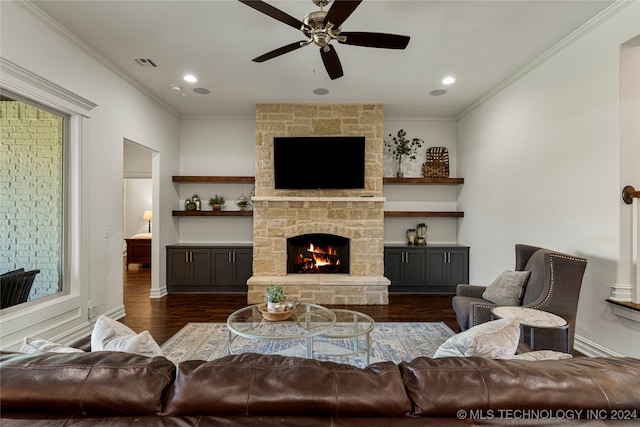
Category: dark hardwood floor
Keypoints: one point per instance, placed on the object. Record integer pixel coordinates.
(164, 317)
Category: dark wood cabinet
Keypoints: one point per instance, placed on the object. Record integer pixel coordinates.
(138, 251)
(426, 269)
(446, 268)
(232, 267)
(188, 269)
(405, 267)
(200, 268)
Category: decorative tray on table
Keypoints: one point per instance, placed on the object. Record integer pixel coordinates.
(275, 316)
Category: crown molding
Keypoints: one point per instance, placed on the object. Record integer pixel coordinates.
(8, 68)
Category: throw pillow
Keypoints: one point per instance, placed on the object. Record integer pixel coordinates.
(491, 339)
(39, 345)
(538, 355)
(508, 288)
(111, 335)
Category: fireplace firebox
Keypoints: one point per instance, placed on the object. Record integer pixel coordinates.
(318, 254)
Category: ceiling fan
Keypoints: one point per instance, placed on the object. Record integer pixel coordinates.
(321, 27)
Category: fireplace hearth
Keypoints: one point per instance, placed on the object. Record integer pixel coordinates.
(318, 254)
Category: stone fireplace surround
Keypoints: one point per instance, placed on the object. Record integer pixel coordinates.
(354, 214)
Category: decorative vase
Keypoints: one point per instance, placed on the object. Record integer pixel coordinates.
(400, 172)
(243, 202)
(421, 234)
(411, 236)
(216, 208)
(274, 307)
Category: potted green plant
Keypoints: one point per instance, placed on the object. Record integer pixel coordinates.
(400, 146)
(216, 202)
(275, 296)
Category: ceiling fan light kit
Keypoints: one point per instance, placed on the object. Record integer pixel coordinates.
(321, 28)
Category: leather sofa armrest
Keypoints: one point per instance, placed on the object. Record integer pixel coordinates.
(474, 291)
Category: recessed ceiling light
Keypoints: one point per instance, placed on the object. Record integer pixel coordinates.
(176, 88)
(448, 80)
(190, 78)
(321, 91)
(202, 91)
(437, 92)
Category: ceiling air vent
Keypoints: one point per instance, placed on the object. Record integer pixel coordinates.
(145, 62)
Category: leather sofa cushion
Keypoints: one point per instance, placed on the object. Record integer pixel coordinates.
(255, 384)
(441, 387)
(86, 384)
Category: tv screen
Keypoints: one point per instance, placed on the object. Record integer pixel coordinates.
(318, 162)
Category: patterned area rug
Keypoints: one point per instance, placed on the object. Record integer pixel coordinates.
(391, 342)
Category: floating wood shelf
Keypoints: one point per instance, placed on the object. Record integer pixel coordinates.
(214, 179)
(449, 181)
(424, 214)
(212, 213)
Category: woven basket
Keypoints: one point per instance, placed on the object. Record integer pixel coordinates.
(437, 164)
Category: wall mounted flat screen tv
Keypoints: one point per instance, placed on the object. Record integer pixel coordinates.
(318, 162)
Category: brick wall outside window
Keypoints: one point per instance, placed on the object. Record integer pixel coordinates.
(31, 203)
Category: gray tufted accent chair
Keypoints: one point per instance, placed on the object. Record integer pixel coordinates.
(553, 286)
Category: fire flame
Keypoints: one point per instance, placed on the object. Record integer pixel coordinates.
(321, 256)
(329, 251)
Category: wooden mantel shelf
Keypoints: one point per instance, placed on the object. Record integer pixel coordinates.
(251, 180)
(449, 181)
(392, 214)
(212, 213)
(214, 179)
(424, 214)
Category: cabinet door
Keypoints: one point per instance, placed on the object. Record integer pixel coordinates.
(200, 267)
(232, 267)
(436, 267)
(222, 267)
(414, 268)
(458, 267)
(243, 268)
(177, 267)
(405, 267)
(393, 265)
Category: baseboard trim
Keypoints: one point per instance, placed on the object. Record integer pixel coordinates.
(592, 349)
(158, 293)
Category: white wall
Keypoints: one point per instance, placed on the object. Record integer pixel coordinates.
(541, 161)
(216, 146)
(48, 52)
(436, 132)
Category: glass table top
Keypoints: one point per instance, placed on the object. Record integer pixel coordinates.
(306, 320)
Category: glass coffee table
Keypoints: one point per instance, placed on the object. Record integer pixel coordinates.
(306, 321)
(349, 336)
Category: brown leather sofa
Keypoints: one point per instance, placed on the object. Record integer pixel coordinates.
(114, 389)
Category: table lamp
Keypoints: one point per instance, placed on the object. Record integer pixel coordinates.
(147, 217)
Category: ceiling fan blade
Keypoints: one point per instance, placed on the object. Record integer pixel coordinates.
(279, 51)
(380, 40)
(273, 12)
(340, 10)
(331, 62)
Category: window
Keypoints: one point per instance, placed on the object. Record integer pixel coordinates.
(32, 201)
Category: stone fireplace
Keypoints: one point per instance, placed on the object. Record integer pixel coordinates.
(283, 218)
